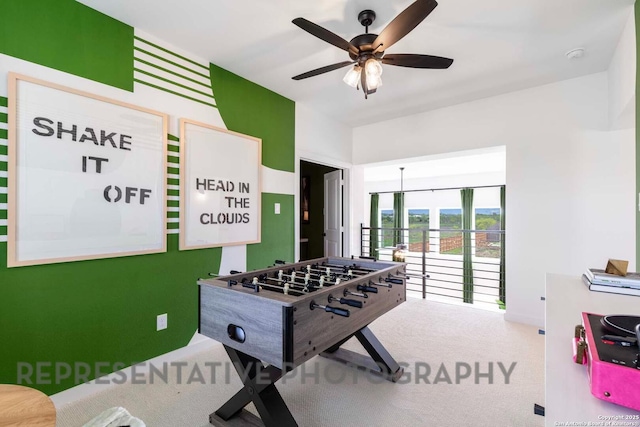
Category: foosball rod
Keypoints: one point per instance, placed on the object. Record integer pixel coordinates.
(355, 267)
(327, 272)
(292, 285)
(307, 277)
(295, 280)
(355, 294)
(285, 288)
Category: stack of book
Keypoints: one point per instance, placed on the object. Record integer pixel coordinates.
(597, 280)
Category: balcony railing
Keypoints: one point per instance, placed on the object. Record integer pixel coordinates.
(435, 262)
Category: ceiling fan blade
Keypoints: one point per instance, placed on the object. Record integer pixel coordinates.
(417, 61)
(402, 24)
(322, 70)
(326, 35)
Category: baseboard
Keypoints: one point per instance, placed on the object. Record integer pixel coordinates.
(527, 320)
(197, 344)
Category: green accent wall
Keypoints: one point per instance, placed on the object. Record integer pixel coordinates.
(99, 311)
(68, 36)
(277, 233)
(253, 110)
(102, 313)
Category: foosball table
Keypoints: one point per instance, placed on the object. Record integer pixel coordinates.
(286, 314)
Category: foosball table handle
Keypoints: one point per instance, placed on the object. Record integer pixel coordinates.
(350, 302)
(346, 301)
(365, 288)
(335, 310)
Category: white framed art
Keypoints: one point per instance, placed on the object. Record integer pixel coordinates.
(220, 187)
(87, 176)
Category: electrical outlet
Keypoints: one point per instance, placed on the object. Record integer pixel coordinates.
(161, 322)
(277, 208)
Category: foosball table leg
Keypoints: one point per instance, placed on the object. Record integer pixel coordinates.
(380, 362)
(264, 395)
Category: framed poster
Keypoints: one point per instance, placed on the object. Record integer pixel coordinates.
(87, 176)
(220, 187)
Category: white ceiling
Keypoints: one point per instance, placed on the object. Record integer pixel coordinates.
(498, 46)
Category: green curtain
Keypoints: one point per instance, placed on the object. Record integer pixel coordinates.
(503, 288)
(467, 266)
(373, 223)
(398, 218)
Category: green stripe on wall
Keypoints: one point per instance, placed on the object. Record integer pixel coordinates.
(3, 230)
(4, 149)
(175, 64)
(173, 159)
(173, 170)
(4, 102)
(170, 52)
(3, 214)
(173, 93)
(173, 138)
(173, 181)
(174, 148)
(3, 134)
(4, 118)
(3, 182)
(173, 192)
(69, 37)
(3, 166)
(173, 203)
(173, 214)
(253, 110)
(3, 198)
(173, 83)
(173, 225)
(166, 70)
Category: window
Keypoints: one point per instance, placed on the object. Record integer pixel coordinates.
(418, 221)
(386, 223)
(488, 244)
(450, 241)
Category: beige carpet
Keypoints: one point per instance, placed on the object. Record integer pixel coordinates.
(417, 331)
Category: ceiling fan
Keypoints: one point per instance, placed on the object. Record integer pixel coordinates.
(367, 51)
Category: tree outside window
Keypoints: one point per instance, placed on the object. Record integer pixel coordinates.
(487, 243)
(386, 223)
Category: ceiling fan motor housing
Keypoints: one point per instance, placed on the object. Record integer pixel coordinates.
(363, 43)
(366, 17)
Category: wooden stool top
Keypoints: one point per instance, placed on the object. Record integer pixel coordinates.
(24, 406)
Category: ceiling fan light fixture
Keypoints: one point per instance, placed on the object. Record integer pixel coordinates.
(373, 68)
(352, 78)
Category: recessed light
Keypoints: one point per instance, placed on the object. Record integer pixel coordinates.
(575, 53)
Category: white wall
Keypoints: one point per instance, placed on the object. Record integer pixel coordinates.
(622, 79)
(570, 180)
(321, 139)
